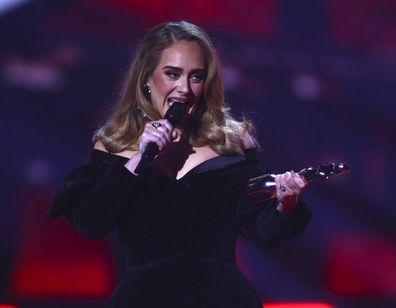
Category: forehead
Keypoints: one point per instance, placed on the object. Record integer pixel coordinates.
(183, 54)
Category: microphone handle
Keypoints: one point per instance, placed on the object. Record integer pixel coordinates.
(174, 115)
(147, 157)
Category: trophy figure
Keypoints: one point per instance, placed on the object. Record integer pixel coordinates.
(264, 186)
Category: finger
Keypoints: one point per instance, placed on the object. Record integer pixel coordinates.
(147, 138)
(292, 186)
(299, 180)
(162, 138)
(158, 128)
(294, 189)
(286, 184)
(165, 127)
(174, 135)
(277, 177)
(167, 124)
(280, 184)
(163, 124)
(296, 182)
(156, 135)
(163, 133)
(288, 180)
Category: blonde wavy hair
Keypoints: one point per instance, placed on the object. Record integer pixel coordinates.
(211, 122)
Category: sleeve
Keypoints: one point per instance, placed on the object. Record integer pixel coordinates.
(93, 195)
(262, 223)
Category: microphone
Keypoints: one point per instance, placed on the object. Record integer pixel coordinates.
(174, 115)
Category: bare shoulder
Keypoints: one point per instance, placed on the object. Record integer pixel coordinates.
(205, 152)
(100, 146)
(247, 139)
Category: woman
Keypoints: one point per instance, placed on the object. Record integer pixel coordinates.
(179, 221)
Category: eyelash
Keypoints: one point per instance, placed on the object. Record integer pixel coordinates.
(196, 77)
(172, 75)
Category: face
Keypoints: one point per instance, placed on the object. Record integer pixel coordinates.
(179, 75)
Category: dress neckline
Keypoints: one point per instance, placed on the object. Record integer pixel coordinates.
(213, 163)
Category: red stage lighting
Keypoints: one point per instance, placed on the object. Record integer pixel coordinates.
(298, 305)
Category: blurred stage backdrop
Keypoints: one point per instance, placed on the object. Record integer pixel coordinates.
(318, 77)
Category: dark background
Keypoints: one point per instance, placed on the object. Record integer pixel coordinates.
(318, 79)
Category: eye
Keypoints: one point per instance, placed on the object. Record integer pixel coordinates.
(197, 77)
(172, 74)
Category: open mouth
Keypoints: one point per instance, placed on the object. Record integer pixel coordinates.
(171, 101)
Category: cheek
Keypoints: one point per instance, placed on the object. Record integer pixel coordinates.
(198, 93)
(198, 90)
(159, 84)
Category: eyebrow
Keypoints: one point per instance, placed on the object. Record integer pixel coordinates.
(180, 69)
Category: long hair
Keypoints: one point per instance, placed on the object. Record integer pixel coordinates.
(210, 124)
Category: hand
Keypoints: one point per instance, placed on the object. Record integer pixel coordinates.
(288, 186)
(160, 132)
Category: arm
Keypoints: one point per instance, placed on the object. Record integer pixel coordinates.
(270, 222)
(93, 195)
(133, 156)
(100, 208)
(266, 226)
(94, 198)
(291, 182)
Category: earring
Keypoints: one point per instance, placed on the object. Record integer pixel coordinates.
(147, 92)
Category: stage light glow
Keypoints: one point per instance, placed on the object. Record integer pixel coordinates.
(7, 5)
(298, 305)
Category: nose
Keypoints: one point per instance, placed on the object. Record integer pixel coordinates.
(183, 86)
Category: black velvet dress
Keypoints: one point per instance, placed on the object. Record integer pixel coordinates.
(178, 235)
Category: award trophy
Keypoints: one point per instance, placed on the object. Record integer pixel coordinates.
(264, 186)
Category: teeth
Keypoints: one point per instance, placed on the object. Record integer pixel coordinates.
(171, 101)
